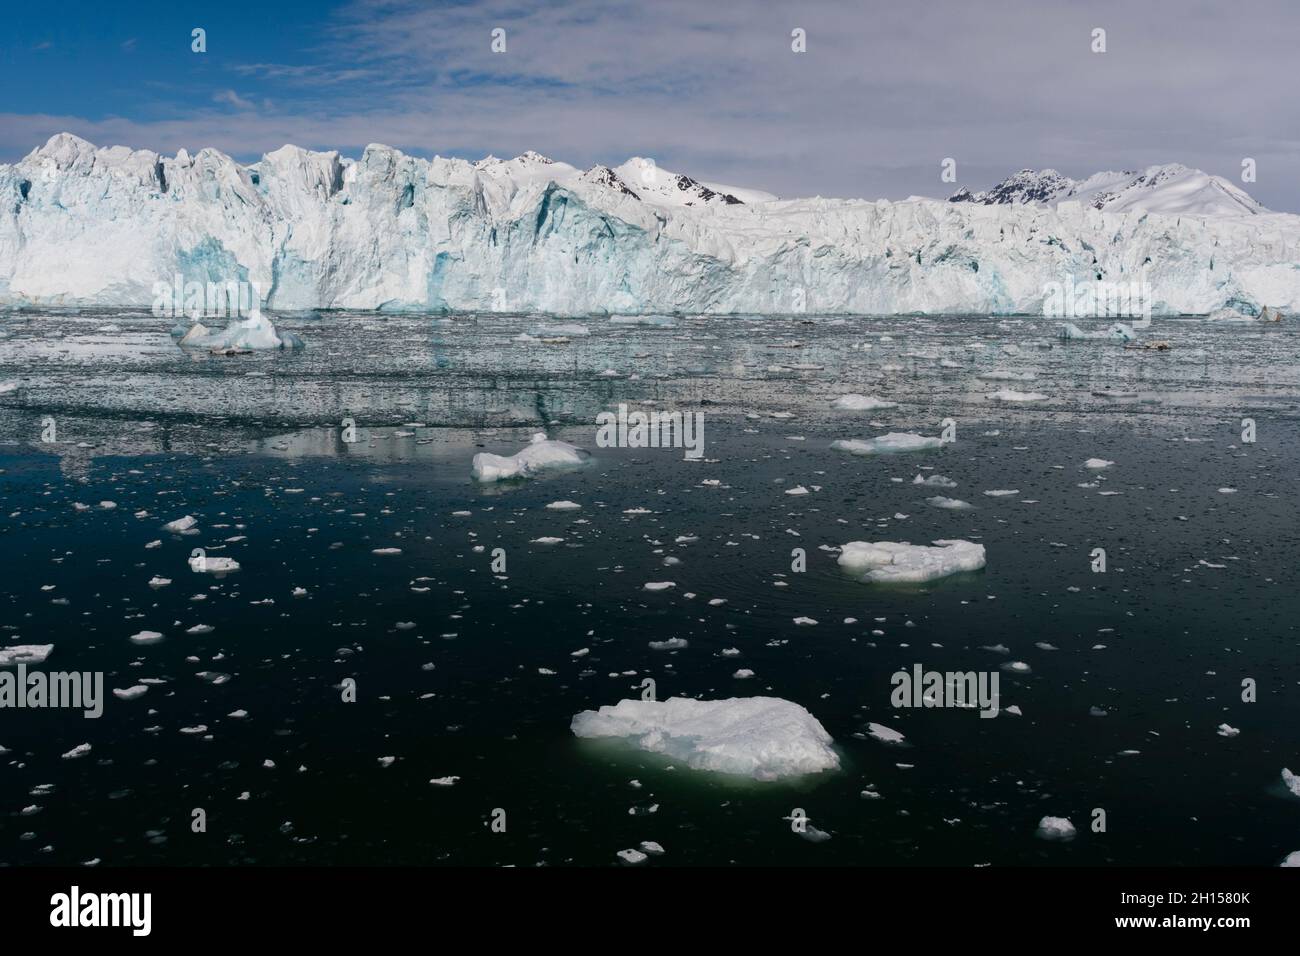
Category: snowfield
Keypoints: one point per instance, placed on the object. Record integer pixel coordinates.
(100, 226)
(761, 737)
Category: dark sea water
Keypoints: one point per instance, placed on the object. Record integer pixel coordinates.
(461, 671)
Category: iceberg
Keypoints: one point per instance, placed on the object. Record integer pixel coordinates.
(893, 562)
(761, 737)
(886, 444)
(84, 225)
(542, 454)
(254, 332)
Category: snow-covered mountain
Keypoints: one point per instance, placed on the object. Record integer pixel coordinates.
(389, 231)
(1170, 189)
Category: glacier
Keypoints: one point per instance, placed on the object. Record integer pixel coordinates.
(85, 226)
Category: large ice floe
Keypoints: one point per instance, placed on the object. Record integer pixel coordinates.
(88, 225)
(542, 454)
(887, 444)
(894, 562)
(761, 737)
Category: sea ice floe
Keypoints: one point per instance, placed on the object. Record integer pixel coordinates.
(952, 504)
(761, 737)
(1055, 828)
(1011, 395)
(934, 481)
(861, 403)
(900, 562)
(886, 735)
(542, 454)
(203, 564)
(24, 654)
(180, 524)
(1097, 463)
(884, 444)
(563, 506)
(1004, 376)
(1119, 332)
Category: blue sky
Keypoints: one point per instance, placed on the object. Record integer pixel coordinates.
(885, 92)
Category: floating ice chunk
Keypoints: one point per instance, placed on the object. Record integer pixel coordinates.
(254, 332)
(861, 403)
(1011, 395)
(1227, 731)
(672, 644)
(651, 847)
(542, 454)
(78, 751)
(1291, 780)
(1055, 828)
(797, 490)
(1292, 859)
(1097, 463)
(130, 693)
(24, 654)
(884, 444)
(202, 564)
(900, 562)
(632, 857)
(659, 585)
(1004, 376)
(952, 504)
(761, 737)
(180, 524)
(1119, 332)
(934, 481)
(444, 781)
(886, 735)
(146, 637)
(563, 506)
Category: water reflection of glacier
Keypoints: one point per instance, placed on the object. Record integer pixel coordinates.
(115, 379)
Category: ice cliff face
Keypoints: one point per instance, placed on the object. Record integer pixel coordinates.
(81, 225)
